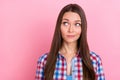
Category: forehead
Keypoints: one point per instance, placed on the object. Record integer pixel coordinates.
(71, 16)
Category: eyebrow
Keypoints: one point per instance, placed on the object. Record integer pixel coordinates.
(65, 19)
(68, 20)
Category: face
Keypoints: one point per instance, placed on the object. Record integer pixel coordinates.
(70, 27)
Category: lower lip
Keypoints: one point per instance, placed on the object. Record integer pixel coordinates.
(70, 36)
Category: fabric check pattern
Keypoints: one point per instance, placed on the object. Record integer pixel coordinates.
(60, 72)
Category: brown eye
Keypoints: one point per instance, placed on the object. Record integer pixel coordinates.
(65, 23)
(77, 24)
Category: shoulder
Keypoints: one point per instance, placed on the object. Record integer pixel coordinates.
(97, 64)
(94, 57)
(40, 67)
(42, 59)
(96, 61)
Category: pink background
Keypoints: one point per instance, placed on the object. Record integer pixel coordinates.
(26, 30)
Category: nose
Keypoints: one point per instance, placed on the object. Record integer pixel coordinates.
(70, 28)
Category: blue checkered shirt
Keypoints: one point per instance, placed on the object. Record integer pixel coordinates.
(60, 72)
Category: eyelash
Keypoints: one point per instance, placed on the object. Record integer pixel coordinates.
(77, 23)
(64, 23)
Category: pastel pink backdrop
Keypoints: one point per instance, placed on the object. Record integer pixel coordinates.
(27, 26)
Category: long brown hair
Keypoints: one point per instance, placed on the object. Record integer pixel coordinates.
(88, 70)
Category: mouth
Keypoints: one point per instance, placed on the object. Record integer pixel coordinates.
(70, 36)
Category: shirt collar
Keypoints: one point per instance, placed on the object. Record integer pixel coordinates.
(60, 56)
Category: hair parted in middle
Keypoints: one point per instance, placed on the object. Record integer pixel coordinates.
(82, 45)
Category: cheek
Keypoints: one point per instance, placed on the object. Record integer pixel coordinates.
(78, 31)
(63, 31)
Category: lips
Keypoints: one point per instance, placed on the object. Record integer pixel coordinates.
(70, 36)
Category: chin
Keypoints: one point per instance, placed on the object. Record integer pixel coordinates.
(71, 41)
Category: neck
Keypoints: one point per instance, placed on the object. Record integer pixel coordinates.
(69, 48)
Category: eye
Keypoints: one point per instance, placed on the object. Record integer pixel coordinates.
(77, 24)
(65, 23)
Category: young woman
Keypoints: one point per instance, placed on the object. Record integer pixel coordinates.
(69, 57)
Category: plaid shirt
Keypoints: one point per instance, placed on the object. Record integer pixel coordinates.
(60, 72)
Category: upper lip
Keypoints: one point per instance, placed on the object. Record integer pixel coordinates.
(71, 35)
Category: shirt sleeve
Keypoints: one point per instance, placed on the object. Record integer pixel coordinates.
(100, 74)
(40, 68)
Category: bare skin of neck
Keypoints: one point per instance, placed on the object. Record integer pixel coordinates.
(69, 51)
